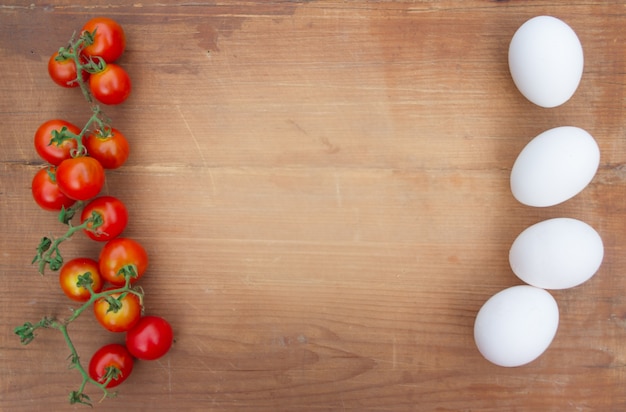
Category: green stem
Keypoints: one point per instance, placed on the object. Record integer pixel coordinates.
(66, 215)
(95, 296)
(48, 252)
(95, 119)
(75, 54)
(78, 396)
(53, 254)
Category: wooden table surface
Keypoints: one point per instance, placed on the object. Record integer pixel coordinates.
(323, 190)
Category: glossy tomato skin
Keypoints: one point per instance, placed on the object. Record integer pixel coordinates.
(109, 40)
(68, 276)
(53, 153)
(63, 72)
(110, 149)
(114, 217)
(80, 178)
(118, 253)
(46, 191)
(121, 320)
(150, 338)
(109, 355)
(111, 85)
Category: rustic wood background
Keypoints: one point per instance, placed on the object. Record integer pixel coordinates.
(322, 187)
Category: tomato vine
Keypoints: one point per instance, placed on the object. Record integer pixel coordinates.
(70, 185)
(26, 333)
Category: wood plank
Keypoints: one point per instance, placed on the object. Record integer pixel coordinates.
(322, 188)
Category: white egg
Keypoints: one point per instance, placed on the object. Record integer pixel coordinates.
(516, 325)
(557, 253)
(554, 166)
(546, 61)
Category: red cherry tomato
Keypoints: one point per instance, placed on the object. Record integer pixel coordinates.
(114, 217)
(114, 356)
(118, 254)
(109, 148)
(46, 191)
(72, 270)
(111, 85)
(54, 153)
(109, 40)
(150, 338)
(122, 318)
(63, 71)
(80, 178)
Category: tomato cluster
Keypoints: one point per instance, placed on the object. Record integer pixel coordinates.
(104, 43)
(149, 339)
(71, 184)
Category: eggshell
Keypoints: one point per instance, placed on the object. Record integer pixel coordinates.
(554, 166)
(546, 61)
(516, 325)
(557, 253)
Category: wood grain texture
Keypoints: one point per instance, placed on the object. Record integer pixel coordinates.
(322, 187)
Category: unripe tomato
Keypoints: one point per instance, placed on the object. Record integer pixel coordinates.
(72, 270)
(119, 253)
(123, 318)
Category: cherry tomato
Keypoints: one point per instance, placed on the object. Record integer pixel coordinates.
(69, 276)
(63, 71)
(109, 41)
(121, 319)
(80, 178)
(119, 253)
(54, 153)
(114, 217)
(114, 356)
(46, 191)
(109, 148)
(111, 85)
(150, 338)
